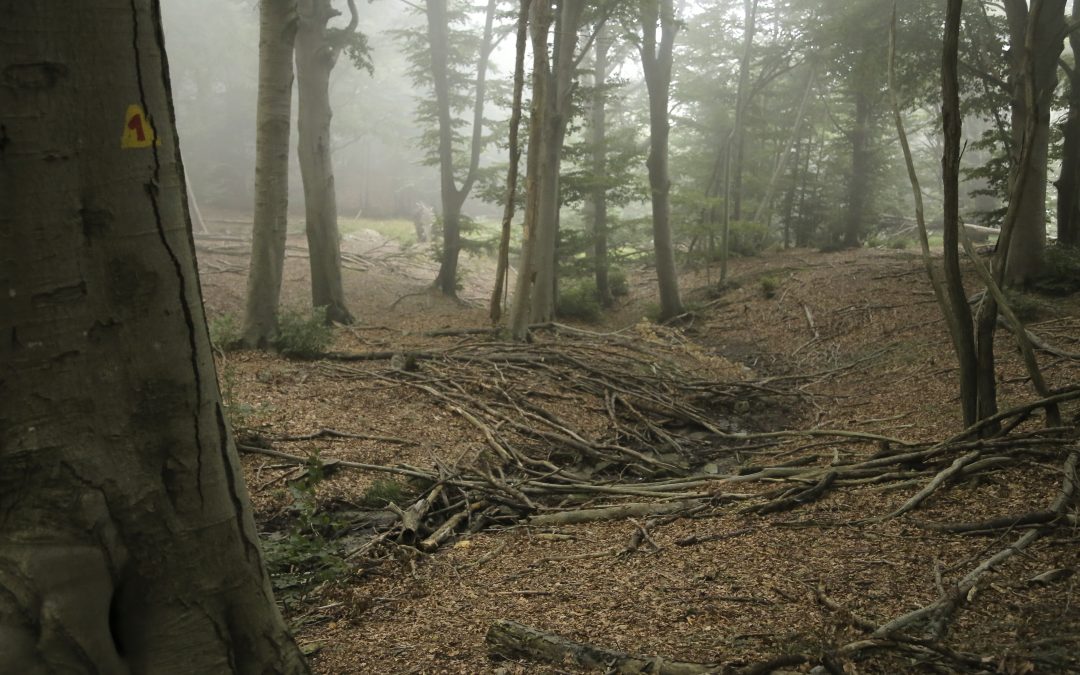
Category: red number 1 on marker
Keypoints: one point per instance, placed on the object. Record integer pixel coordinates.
(136, 125)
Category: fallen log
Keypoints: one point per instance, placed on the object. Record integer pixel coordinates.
(510, 640)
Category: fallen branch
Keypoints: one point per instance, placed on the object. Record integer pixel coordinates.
(510, 640)
(619, 512)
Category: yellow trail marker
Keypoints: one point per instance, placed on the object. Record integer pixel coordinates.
(138, 132)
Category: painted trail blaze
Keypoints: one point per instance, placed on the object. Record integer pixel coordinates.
(138, 132)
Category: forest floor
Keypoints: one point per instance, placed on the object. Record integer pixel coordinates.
(720, 560)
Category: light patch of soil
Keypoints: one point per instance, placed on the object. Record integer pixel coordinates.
(855, 333)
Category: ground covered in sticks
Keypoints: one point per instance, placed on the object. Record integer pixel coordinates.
(777, 482)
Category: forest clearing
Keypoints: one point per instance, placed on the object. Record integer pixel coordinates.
(719, 558)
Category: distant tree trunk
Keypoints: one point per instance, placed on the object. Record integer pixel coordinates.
(598, 139)
(1025, 251)
(277, 33)
(656, 61)
(742, 97)
(804, 230)
(539, 24)
(859, 184)
(316, 56)
(554, 118)
(503, 263)
(789, 198)
(128, 539)
(1068, 185)
(765, 205)
(453, 198)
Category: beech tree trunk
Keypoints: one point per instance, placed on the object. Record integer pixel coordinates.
(535, 290)
(128, 543)
(1028, 241)
(598, 139)
(741, 102)
(316, 56)
(540, 18)
(1068, 185)
(273, 122)
(453, 197)
(656, 60)
(503, 264)
(858, 186)
(968, 358)
(556, 115)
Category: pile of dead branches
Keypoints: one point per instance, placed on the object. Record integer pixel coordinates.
(580, 427)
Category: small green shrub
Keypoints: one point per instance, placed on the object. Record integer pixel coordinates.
(239, 413)
(1061, 271)
(617, 282)
(578, 301)
(303, 336)
(748, 239)
(769, 286)
(224, 331)
(383, 492)
(305, 555)
(1024, 306)
(900, 243)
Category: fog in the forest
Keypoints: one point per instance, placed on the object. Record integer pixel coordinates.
(213, 59)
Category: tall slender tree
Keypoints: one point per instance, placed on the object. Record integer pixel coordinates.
(277, 33)
(452, 195)
(656, 59)
(597, 199)
(317, 50)
(127, 543)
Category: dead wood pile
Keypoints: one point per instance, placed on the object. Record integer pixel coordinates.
(578, 427)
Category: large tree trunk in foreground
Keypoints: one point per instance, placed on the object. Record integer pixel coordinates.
(1028, 241)
(127, 543)
(656, 59)
(277, 33)
(316, 56)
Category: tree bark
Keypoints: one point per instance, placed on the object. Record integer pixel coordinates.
(964, 341)
(1068, 185)
(858, 186)
(316, 55)
(277, 34)
(537, 290)
(741, 103)
(503, 263)
(557, 114)
(598, 139)
(128, 543)
(1024, 255)
(539, 25)
(656, 61)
